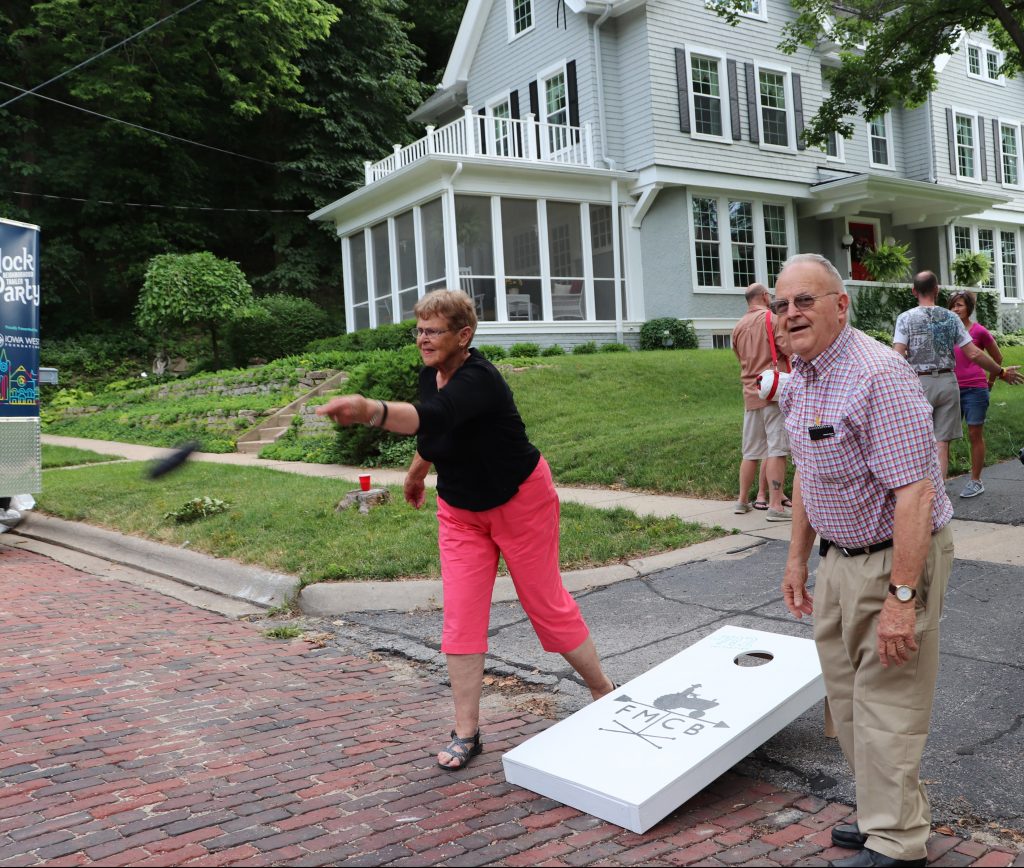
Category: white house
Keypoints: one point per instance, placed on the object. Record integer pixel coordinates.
(591, 165)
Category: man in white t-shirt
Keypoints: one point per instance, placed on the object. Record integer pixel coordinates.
(926, 336)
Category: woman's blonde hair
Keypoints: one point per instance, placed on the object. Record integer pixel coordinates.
(452, 304)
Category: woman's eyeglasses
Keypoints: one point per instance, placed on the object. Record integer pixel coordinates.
(801, 302)
(427, 333)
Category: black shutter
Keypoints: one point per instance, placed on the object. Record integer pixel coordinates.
(684, 91)
(734, 100)
(798, 112)
(573, 93)
(535, 110)
(951, 136)
(482, 124)
(982, 148)
(997, 162)
(513, 110)
(752, 119)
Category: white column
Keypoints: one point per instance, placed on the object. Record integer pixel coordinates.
(421, 259)
(470, 121)
(371, 277)
(347, 284)
(396, 306)
(498, 240)
(545, 260)
(617, 260)
(587, 243)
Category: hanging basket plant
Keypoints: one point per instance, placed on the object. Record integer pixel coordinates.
(971, 269)
(887, 263)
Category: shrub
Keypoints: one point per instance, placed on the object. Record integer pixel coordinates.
(875, 308)
(524, 351)
(392, 336)
(553, 350)
(614, 348)
(986, 309)
(390, 376)
(584, 349)
(275, 326)
(197, 508)
(680, 334)
(492, 352)
(1013, 340)
(881, 336)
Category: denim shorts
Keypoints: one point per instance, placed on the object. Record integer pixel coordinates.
(974, 404)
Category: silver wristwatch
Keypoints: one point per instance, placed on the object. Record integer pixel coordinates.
(903, 593)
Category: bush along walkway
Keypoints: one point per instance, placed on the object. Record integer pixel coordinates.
(135, 730)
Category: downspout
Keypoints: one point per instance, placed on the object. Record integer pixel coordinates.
(932, 179)
(596, 28)
(450, 249)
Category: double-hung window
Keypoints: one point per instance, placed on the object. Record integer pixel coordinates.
(966, 132)
(880, 154)
(737, 241)
(775, 109)
(750, 9)
(520, 17)
(984, 62)
(1009, 150)
(709, 95)
(501, 128)
(1001, 244)
(555, 110)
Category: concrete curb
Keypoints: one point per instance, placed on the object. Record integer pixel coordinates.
(217, 575)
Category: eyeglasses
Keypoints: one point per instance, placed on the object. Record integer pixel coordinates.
(801, 302)
(427, 333)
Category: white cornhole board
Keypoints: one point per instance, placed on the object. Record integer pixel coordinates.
(640, 752)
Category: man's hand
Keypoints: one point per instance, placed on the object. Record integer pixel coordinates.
(1013, 376)
(896, 626)
(415, 492)
(794, 590)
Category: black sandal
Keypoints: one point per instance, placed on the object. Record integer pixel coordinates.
(462, 751)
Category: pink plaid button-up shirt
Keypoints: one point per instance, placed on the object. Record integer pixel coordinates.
(883, 439)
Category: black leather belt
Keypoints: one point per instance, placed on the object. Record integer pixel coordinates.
(846, 552)
(936, 371)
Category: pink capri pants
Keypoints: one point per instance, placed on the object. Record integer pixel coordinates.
(525, 531)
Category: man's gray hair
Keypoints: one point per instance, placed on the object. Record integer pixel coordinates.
(755, 290)
(817, 259)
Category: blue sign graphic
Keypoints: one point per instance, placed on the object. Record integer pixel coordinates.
(19, 319)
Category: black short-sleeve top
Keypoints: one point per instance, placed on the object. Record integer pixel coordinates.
(472, 432)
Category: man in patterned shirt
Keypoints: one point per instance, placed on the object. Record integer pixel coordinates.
(868, 482)
(926, 335)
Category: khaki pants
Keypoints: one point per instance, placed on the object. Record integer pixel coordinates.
(881, 715)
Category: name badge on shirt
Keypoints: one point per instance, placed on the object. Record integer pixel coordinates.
(821, 432)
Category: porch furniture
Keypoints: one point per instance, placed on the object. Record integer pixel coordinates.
(519, 306)
(466, 285)
(565, 304)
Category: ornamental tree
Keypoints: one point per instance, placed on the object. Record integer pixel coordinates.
(191, 289)
(888, 49)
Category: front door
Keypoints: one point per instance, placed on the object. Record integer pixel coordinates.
(865, 238)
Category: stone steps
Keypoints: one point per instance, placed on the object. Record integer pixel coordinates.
(272, 428)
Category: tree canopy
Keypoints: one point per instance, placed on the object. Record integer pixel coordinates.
(287, 96)
(888, 49)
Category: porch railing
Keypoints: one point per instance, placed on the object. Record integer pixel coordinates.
(514, 139)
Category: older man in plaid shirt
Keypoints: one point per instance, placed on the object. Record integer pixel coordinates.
(868, 483)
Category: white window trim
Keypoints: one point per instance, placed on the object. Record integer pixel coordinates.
(997, 264)
(725, 238)
(512, 35)
(790, 113)
(542, 79)
(983, 52)
(724, 94)
(753, 16)
(1005, 122)
(887, 123)
(840, 156)
(973, 115)
(489, 128)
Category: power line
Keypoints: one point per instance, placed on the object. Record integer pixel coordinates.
(164, 207)
(100, 54)
(181, 139)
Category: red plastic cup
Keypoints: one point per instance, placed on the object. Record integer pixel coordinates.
(364, 481)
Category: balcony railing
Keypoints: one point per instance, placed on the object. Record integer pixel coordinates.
(514, 139)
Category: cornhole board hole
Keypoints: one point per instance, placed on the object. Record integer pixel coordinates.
(640, 752)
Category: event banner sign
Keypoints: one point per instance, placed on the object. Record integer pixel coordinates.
(640, 752)
(20, 449)
(19, 319)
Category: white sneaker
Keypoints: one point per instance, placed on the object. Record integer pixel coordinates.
(739, 508)
(973, 488)
(779, 515)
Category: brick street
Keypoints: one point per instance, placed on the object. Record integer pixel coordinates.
(137, 730)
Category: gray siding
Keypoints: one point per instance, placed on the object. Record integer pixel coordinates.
(630, 117)
(917, 145)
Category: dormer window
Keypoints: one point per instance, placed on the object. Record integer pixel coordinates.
(984, 62)
(520, 15)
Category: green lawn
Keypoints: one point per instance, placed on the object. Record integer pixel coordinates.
(287, 522)
(68, 456)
